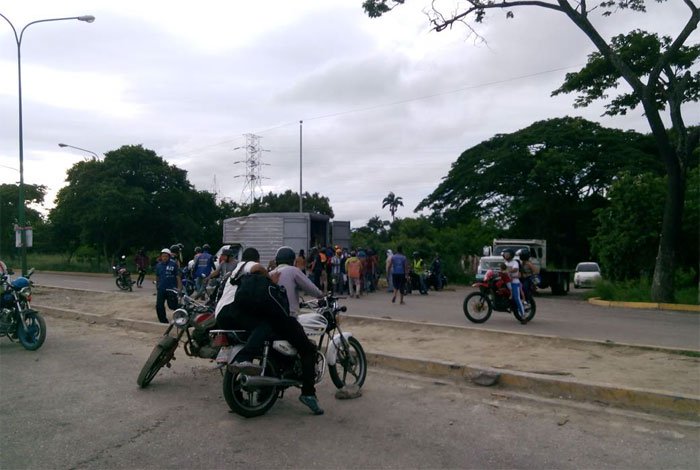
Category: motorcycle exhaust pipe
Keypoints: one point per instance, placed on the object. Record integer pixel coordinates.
(255, 381)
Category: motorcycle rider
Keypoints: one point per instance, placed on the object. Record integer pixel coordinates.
(418, 273)
(261, 324)
(513, 268)
(528, 271)
(293, 279)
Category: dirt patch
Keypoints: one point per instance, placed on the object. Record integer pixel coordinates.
(592, 362)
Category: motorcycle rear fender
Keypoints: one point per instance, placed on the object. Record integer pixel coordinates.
(236, 349)
(332, 350)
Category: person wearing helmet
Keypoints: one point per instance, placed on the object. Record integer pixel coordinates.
(529, 272)
(167, 277)
(227, 264)
(513, 269)
(294, 280)
(203, 267)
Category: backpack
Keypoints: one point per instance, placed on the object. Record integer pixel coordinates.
(257, 293)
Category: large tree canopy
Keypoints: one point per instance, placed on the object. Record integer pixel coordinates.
(286, 202)
(543, 181)
(656, 69)
(132, 198)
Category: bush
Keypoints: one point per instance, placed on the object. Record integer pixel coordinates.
(639, 290)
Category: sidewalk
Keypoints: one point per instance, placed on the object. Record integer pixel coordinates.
(649, 379)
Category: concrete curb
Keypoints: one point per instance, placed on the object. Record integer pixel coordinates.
(654, 401)
(644, 305)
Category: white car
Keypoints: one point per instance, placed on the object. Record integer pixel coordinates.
(586, 274)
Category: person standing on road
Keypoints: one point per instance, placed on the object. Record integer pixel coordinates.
(141, 261)
(399, 270)
(203, 266)
(387, 271)
(353, 266)
(167, 277)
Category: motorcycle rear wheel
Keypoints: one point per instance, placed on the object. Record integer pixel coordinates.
(477, 307)
(123, 284)
(350, 362)
(32, 332)
(249, 404)
(160, 356)
(530, 311)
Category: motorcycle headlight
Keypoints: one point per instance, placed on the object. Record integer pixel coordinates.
(25, 292)
(181, 317)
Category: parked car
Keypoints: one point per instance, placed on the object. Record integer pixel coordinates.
(586, 274)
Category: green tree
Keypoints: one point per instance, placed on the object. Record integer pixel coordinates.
(130, 199)
(393, 202)
(288, 202)
(9, 200)
(658, 72)
(543, 181)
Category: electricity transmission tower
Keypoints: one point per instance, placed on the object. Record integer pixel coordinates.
(252, 188)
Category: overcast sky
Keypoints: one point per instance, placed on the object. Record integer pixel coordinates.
(387, 104)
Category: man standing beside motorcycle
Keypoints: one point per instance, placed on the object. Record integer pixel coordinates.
(204, 265)
(418, 273)
(436, 268)
(167, 277)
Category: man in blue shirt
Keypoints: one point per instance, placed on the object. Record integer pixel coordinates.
(167, 277)
(203, 266)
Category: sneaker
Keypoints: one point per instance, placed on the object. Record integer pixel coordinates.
(245, 367)
(312, 402)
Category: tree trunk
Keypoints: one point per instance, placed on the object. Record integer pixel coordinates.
(662, 287)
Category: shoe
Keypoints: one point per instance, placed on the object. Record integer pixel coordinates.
(393, 300)
(403, 303)
(312, 403)
(245, 367)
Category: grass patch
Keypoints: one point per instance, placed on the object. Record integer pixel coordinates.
(57, 262)
(638, 290)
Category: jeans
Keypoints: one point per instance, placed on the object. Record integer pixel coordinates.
(516, 298)
(161, 297)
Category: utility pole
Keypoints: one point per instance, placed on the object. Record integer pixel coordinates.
(252, 188)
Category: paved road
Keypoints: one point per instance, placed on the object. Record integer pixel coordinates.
(74, 404)
(564, 316)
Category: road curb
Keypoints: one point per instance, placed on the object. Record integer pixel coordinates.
(655, 401)
(644, 305)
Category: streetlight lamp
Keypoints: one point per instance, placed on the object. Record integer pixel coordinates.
(18, 40)
(78, 148)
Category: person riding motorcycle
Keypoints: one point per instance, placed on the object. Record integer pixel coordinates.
(513, 268)
(529, 272)
(262, 323)
(418, 273)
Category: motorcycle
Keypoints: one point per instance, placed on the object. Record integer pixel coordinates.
(339, 351)
(431, 280)
(18, 321)
(478, 306)
(124, 281)
(192, 320)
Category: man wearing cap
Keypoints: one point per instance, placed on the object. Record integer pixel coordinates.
(167, 277)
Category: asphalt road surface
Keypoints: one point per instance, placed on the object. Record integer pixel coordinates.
(74, 404)
(569, 316)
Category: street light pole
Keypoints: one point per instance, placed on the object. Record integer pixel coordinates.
(21, 215)
(78, 148)
(300, 194)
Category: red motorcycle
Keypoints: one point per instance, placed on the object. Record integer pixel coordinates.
(494, 295)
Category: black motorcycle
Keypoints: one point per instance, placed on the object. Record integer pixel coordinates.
(18, 321)
(431, 280)
(191, 324)
(124, 281)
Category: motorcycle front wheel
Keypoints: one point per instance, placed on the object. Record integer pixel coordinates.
(123, 284)
(249, 403)
(350, 366)
(160, 356)
(32, 331)
(477, 307)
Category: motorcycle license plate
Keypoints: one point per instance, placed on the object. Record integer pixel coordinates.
(225, 355)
